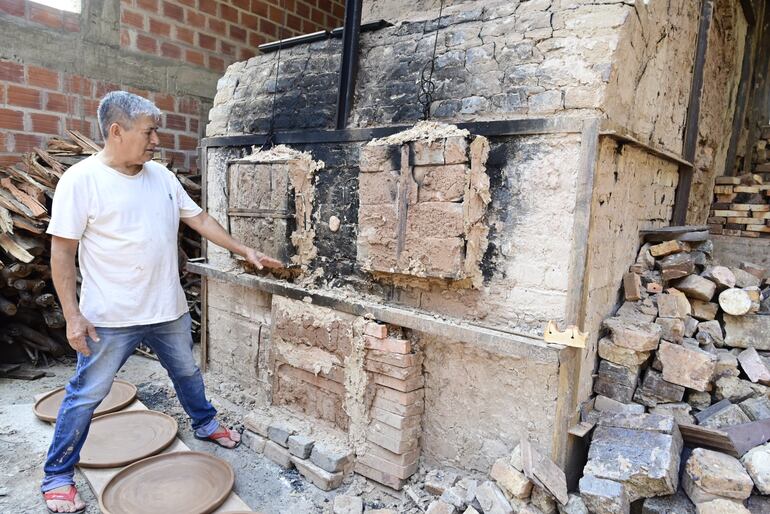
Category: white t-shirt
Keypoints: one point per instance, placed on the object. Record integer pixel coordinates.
(127, 227)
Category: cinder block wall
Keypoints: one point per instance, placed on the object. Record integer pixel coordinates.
(56, 65)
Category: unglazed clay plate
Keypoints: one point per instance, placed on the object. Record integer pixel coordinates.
(121, 394)
(179, 482)
(120, 438)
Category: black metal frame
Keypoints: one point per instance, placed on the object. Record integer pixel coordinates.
(349, 61)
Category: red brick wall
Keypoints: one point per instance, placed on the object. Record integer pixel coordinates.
(37, 103)
(41, 15)
(215, 33)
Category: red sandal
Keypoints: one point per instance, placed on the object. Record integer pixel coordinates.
(69, 496)
(220, 433)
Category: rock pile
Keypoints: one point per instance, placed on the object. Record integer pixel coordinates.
(689, 349)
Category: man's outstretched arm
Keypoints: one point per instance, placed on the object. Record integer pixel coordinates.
(210, 228)
(64, 276)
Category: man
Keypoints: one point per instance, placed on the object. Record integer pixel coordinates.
(122, 211)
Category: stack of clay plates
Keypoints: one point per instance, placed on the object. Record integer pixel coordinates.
(121, 394)
(179, 482)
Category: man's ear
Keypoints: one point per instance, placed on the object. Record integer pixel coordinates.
(115, 131)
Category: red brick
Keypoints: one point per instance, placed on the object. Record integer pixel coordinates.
(185, 35)
(245, 54)
(227, 49)
(188, 3)
(228, 13)
(45, 15)
(237, 33)
(207, 42)
(146, 44)
(9, 160)
(79, 85)
(57, 102)
(26, 142)
(195, 19)
(43, 77)
(2, 94)
(159, 28)
(249, 21)
(125, 38)
(175, 122)
(166, 140)
(102, 88)
(141, 92)
(338, 11)
(3, 142)
(303, 9)
(10, 119)
(317, 16)
(170, 50)
(193, 164)
(177, 158)
(242, 4)
(45, 123)
(83, 126)
(148, 5)
(216, 64)
(72, 22)
(256, 39)
(188, 105)
(164, 102)
(259, 7)
(194, 125)
(132, 19)
(194, 57)
(186, 142)
(208, 6)
(269, 28)
(11, 72)
(294, 23)
(325, 5)
(90, 107)
(173, 11)
(13, 7)
(275, 14)
(218, 26)
(24, 97)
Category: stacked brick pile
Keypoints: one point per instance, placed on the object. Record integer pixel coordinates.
(690, 348)
(760, 157)
(393, 436)
(741, 206)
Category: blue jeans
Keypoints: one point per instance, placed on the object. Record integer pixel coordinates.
(171, 342)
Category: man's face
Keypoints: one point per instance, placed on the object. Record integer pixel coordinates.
(137, 143)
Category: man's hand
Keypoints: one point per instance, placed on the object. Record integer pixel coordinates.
(78, 327)
(260, 260)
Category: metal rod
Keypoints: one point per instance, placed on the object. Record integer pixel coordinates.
(349, 61)
(682, 199)
(740, 102)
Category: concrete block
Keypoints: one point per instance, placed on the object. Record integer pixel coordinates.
(375, 158)
(748, 331)
(425, 152)
(510, 480)
(438, 480)
(279, 434)
(696, 287)
(330, 459)
(710, 475)
(278, 454)
(704, 311)
(253, 440)
(672, 329)
(455, 150)
(649, 422)
(757, 464)
(673, 305)
(320, 478)
(754, 366)
(677, 503)
(639, 336)
(710, 332)
(441, 183)
(602, 496)
(608, 350)
(685, 366)
(301, 446)
(378, 188)
(680, 411)
(492, 499)
(344, 504)
(379, 476)
(616, 382)
(655, 390)
(605, 404)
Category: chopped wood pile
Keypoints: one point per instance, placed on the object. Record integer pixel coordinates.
(741, 206)
(684, 363)
(31, 319)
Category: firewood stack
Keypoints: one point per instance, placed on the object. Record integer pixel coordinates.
(741, 206)
(32, 325)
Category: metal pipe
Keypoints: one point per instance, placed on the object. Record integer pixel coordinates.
(349, 61)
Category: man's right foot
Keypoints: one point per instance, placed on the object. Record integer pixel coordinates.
(64, 499)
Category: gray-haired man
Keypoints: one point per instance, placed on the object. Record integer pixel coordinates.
(122, 211)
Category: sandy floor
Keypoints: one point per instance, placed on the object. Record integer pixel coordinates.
(260, 483)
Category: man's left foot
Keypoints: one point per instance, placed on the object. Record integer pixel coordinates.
(224, 437)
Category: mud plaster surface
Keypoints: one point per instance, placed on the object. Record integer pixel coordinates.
(428, 130)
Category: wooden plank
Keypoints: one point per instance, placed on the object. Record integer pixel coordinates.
(542, 471)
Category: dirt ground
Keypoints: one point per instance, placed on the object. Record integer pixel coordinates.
(264, 486)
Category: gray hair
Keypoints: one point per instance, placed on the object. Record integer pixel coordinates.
(124, 108)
